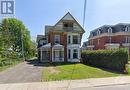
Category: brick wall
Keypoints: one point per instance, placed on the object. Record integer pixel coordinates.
(106, 39)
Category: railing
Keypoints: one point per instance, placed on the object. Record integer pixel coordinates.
(68, 28)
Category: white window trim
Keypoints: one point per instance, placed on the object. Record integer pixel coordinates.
(110, 30)
(57, 37)
(98, 32)
(127, 29)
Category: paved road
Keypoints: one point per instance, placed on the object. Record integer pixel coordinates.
(116, 87)
(25, 72)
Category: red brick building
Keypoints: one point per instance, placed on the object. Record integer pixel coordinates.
(61, 42)
(109, 37)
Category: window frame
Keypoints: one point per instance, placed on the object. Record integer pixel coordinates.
(57, 39)
(75, 40)
(75, 54)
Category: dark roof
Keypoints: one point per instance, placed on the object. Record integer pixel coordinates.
(104, 29)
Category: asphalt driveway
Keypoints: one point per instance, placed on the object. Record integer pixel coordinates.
(30, 71)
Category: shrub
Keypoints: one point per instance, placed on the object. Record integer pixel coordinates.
(111, 59)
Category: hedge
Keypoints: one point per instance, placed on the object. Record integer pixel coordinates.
(111, 59)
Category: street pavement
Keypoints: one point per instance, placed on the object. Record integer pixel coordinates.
(113, 87)
(112, 83)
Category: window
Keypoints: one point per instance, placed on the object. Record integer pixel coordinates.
(45, 55)
(69, 54)
(75, 54)
(57, 39)
(92, 42)
(75, 39)
(98, 41)
(58, 54)
(127, 29)
(127, 40)
(110, 30)
(68, 25)
(43, 42)
(98, 32)
(69, 39)
(110, 39)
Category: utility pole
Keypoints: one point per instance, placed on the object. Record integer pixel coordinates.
(84, 14)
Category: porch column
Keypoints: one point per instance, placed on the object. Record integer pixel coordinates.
(79, 54)
(41, 54)
(71, 51)
(52, 54)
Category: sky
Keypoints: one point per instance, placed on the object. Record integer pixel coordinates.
(35, 14)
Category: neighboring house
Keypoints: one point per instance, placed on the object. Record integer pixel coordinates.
(61, 42)
(110, 37)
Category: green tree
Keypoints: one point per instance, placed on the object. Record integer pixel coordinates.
(13, 32)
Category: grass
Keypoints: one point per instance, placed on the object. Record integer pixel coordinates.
(74, 71)
(6, 63)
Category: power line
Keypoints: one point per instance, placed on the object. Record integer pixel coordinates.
(84, 13)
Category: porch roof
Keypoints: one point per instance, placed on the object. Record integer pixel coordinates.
(58, 46)
(46, 46)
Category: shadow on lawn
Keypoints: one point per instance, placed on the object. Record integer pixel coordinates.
(36, 62)
(108, 70)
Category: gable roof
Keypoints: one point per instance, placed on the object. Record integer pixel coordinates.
(68, 16)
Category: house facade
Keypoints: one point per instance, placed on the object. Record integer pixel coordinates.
(61, 42)
(109, 37)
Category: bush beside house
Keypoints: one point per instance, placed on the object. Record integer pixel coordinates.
(111, 59)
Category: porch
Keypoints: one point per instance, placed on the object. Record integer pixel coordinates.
(58, 53)
(45, 53)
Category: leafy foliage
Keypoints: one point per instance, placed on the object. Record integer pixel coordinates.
(111, 59)
(12, 33)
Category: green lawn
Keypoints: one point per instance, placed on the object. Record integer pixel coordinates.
(74, 71)
(6, 63)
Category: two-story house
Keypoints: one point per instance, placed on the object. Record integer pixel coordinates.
(61, 42)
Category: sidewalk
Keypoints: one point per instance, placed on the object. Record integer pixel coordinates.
(67, 84)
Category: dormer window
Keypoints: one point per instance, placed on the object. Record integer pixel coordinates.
(110, 30)
(127, 29)
(98, 32)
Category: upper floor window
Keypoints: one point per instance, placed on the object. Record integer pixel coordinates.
(127, 39)
(43, 42)
(110, 39)
(98, 32)
(68, 25)
(57, 39)
(110, 30)
(69, 39)
(127, 29)
(98, 41)
(75, 39)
